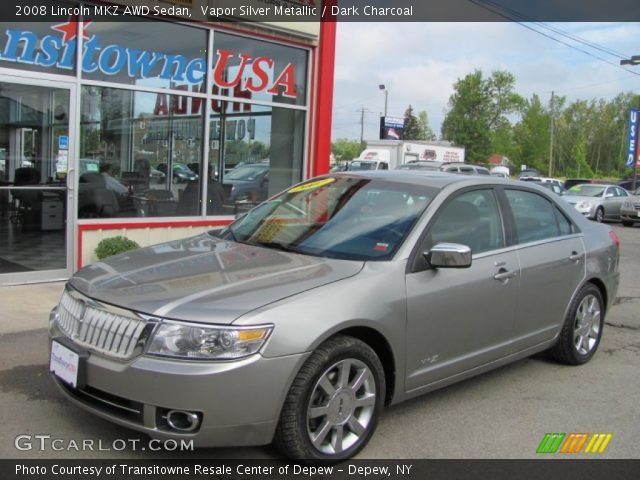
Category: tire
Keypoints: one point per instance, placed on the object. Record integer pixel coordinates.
(627, 223)
(321, 422)
(582, 329)
(599, 215)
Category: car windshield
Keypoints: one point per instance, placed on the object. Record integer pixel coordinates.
(246, 172)
(587, 190)
(337, 217)
(181, 168)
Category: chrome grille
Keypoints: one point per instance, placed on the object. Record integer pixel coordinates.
(97, 328)
(636, 206)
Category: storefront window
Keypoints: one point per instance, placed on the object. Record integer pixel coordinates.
(258, 70)
(256, 153)
(146, 54)
(39, 46)
(140, 154)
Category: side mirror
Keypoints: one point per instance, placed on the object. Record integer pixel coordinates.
(449, 255)
(609, 195)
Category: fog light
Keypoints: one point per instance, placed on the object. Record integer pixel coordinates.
(182, 421)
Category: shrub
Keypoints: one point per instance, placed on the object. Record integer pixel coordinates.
(113, 246)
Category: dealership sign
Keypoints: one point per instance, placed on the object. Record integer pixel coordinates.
(632, 152)
(252, 74)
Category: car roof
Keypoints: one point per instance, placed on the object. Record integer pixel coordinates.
(424, 177)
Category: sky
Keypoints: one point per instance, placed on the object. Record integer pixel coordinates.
(420, 62)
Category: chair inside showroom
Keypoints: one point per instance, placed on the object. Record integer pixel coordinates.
(95, 199)
(27, 204)
(161, 203)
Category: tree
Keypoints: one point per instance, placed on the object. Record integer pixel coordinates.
(532, 134)
(477, 109)
(425, 130)
(411, 125)
(345, 150)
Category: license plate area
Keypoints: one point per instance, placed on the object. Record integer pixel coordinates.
(68, 363)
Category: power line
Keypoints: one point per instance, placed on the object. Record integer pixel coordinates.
(514, 16)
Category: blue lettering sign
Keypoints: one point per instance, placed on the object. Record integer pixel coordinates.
(634, 117)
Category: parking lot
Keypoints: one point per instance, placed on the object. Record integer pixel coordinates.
(502, 414)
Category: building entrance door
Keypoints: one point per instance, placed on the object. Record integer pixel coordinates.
(36, 181)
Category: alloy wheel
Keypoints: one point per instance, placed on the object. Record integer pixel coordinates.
(587, 325)
(341, 406)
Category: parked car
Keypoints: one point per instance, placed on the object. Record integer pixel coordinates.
(464, 168)
(181, 173)
(500, 171)
(630, 210)
(156, 176)
(301, 320)
(556, 186)
(248, 182)
(529, 172)
(597, 202)
(628, 184)
(428, 165)
(570, 182)
(340, 167)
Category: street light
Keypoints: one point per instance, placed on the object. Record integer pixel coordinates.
(386, 97)
(635, 60)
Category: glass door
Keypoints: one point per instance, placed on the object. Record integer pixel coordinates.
(36, 181)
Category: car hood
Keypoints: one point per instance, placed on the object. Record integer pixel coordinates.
(572, 199)
(206, 279)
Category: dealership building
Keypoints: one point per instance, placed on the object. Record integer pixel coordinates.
(152, 127)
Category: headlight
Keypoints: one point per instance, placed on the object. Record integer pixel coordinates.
(627, 205)
(190, 341)
(584, 205)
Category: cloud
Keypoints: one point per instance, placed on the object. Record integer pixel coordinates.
(420, 62)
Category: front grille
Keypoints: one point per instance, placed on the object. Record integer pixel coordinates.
(98, 329)
(636, 206)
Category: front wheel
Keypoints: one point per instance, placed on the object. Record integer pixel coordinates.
(582, 330)
(333, 406)
(599, 215)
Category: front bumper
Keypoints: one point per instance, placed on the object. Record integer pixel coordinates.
(238, 402)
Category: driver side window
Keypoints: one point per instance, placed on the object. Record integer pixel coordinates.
(471, 219)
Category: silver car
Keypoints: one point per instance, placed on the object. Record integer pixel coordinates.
(300, 321)
(630, 210)
(597, 202)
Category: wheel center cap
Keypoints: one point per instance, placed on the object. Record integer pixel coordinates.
(341, 407)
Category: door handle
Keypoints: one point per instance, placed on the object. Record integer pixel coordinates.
(71, 178)
(504, 274)
(575, 257)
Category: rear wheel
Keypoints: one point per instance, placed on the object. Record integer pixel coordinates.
(334, 403)
(582, 330)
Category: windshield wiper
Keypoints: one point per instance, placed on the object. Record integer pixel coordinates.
(225, 233)
(275, 245)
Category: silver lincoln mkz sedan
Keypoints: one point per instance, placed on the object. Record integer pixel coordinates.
(298, 322)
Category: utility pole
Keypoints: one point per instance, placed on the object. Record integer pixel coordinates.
(361, 125)
(551, 134)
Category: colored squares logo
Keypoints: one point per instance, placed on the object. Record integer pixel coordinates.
(574, 443)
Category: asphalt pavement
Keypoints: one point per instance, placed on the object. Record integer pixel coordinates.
(501, 414)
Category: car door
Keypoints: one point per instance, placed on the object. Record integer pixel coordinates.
(621, 195)
(458, 319)
(611, 203)
(551, 255)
